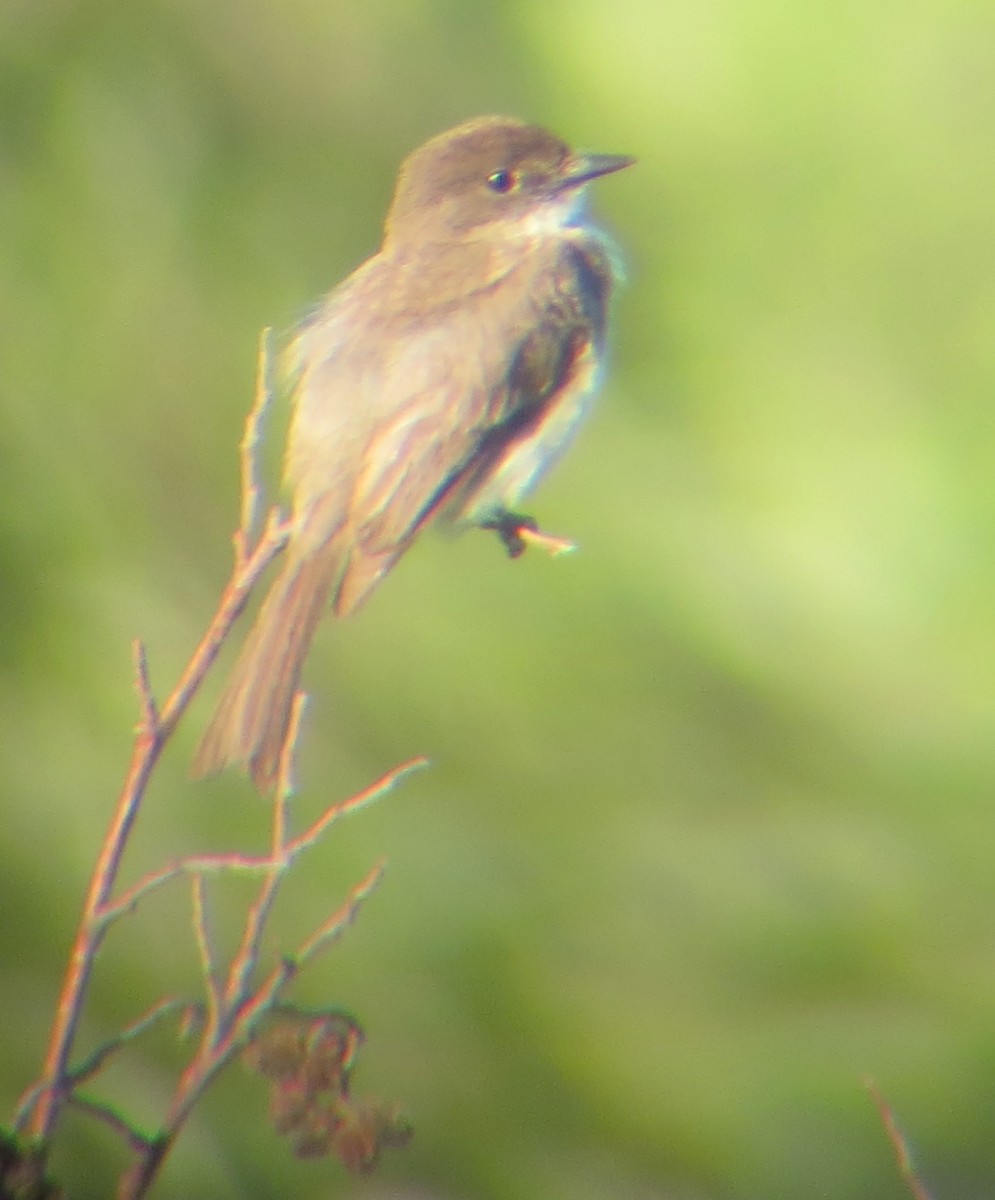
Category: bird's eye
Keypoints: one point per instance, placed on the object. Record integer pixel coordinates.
(501, 181)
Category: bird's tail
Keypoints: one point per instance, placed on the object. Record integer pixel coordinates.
(250, 723)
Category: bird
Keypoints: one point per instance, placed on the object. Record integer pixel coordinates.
(441, 379)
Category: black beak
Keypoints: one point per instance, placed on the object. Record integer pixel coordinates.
(584, 167)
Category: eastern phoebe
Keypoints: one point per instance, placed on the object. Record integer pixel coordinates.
(443, 377)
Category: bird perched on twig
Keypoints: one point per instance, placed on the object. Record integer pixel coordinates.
(442, 377)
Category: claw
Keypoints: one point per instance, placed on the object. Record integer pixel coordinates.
(518, 533)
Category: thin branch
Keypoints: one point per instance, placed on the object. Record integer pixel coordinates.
(246, 958)
(354, 803)
(234, 1008)
(240, 1009)
(233, 600)
(201, 864)
(249, 451)
(205, 949)
(95, 1061)
(89, 935)
(332, 929)
(150, 713)
(216, 864)
(899, 1144)
(138, 1141)
(220, 1044)
(153, 732)
(149, 1019)
(285, 786)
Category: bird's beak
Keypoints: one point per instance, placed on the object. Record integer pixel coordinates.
(584, 167)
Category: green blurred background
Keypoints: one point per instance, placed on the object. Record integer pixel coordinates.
(709, 831)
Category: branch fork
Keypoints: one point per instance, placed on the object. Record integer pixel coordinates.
(240, 997)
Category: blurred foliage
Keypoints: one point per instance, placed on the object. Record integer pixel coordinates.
(709, 832)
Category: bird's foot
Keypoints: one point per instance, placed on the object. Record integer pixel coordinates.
(518, 533)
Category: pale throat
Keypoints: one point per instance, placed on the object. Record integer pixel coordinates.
(557, 217)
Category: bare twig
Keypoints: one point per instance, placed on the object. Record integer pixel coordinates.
(217, 864)
(233, 600)
(285, 784)
(247, 957)
(240, 1008)
(138, 1141)
(899, 1144)
(93, 1063)
(331, 930)
(235, 1006)
(249, 450)
(154, 730)
(205, 948)
(201, 864)
(354, 803)
(158, 1012)
(150, 714)
(240, 1014)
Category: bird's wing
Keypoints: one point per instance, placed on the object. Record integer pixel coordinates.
(442, 408)
(441, 404)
